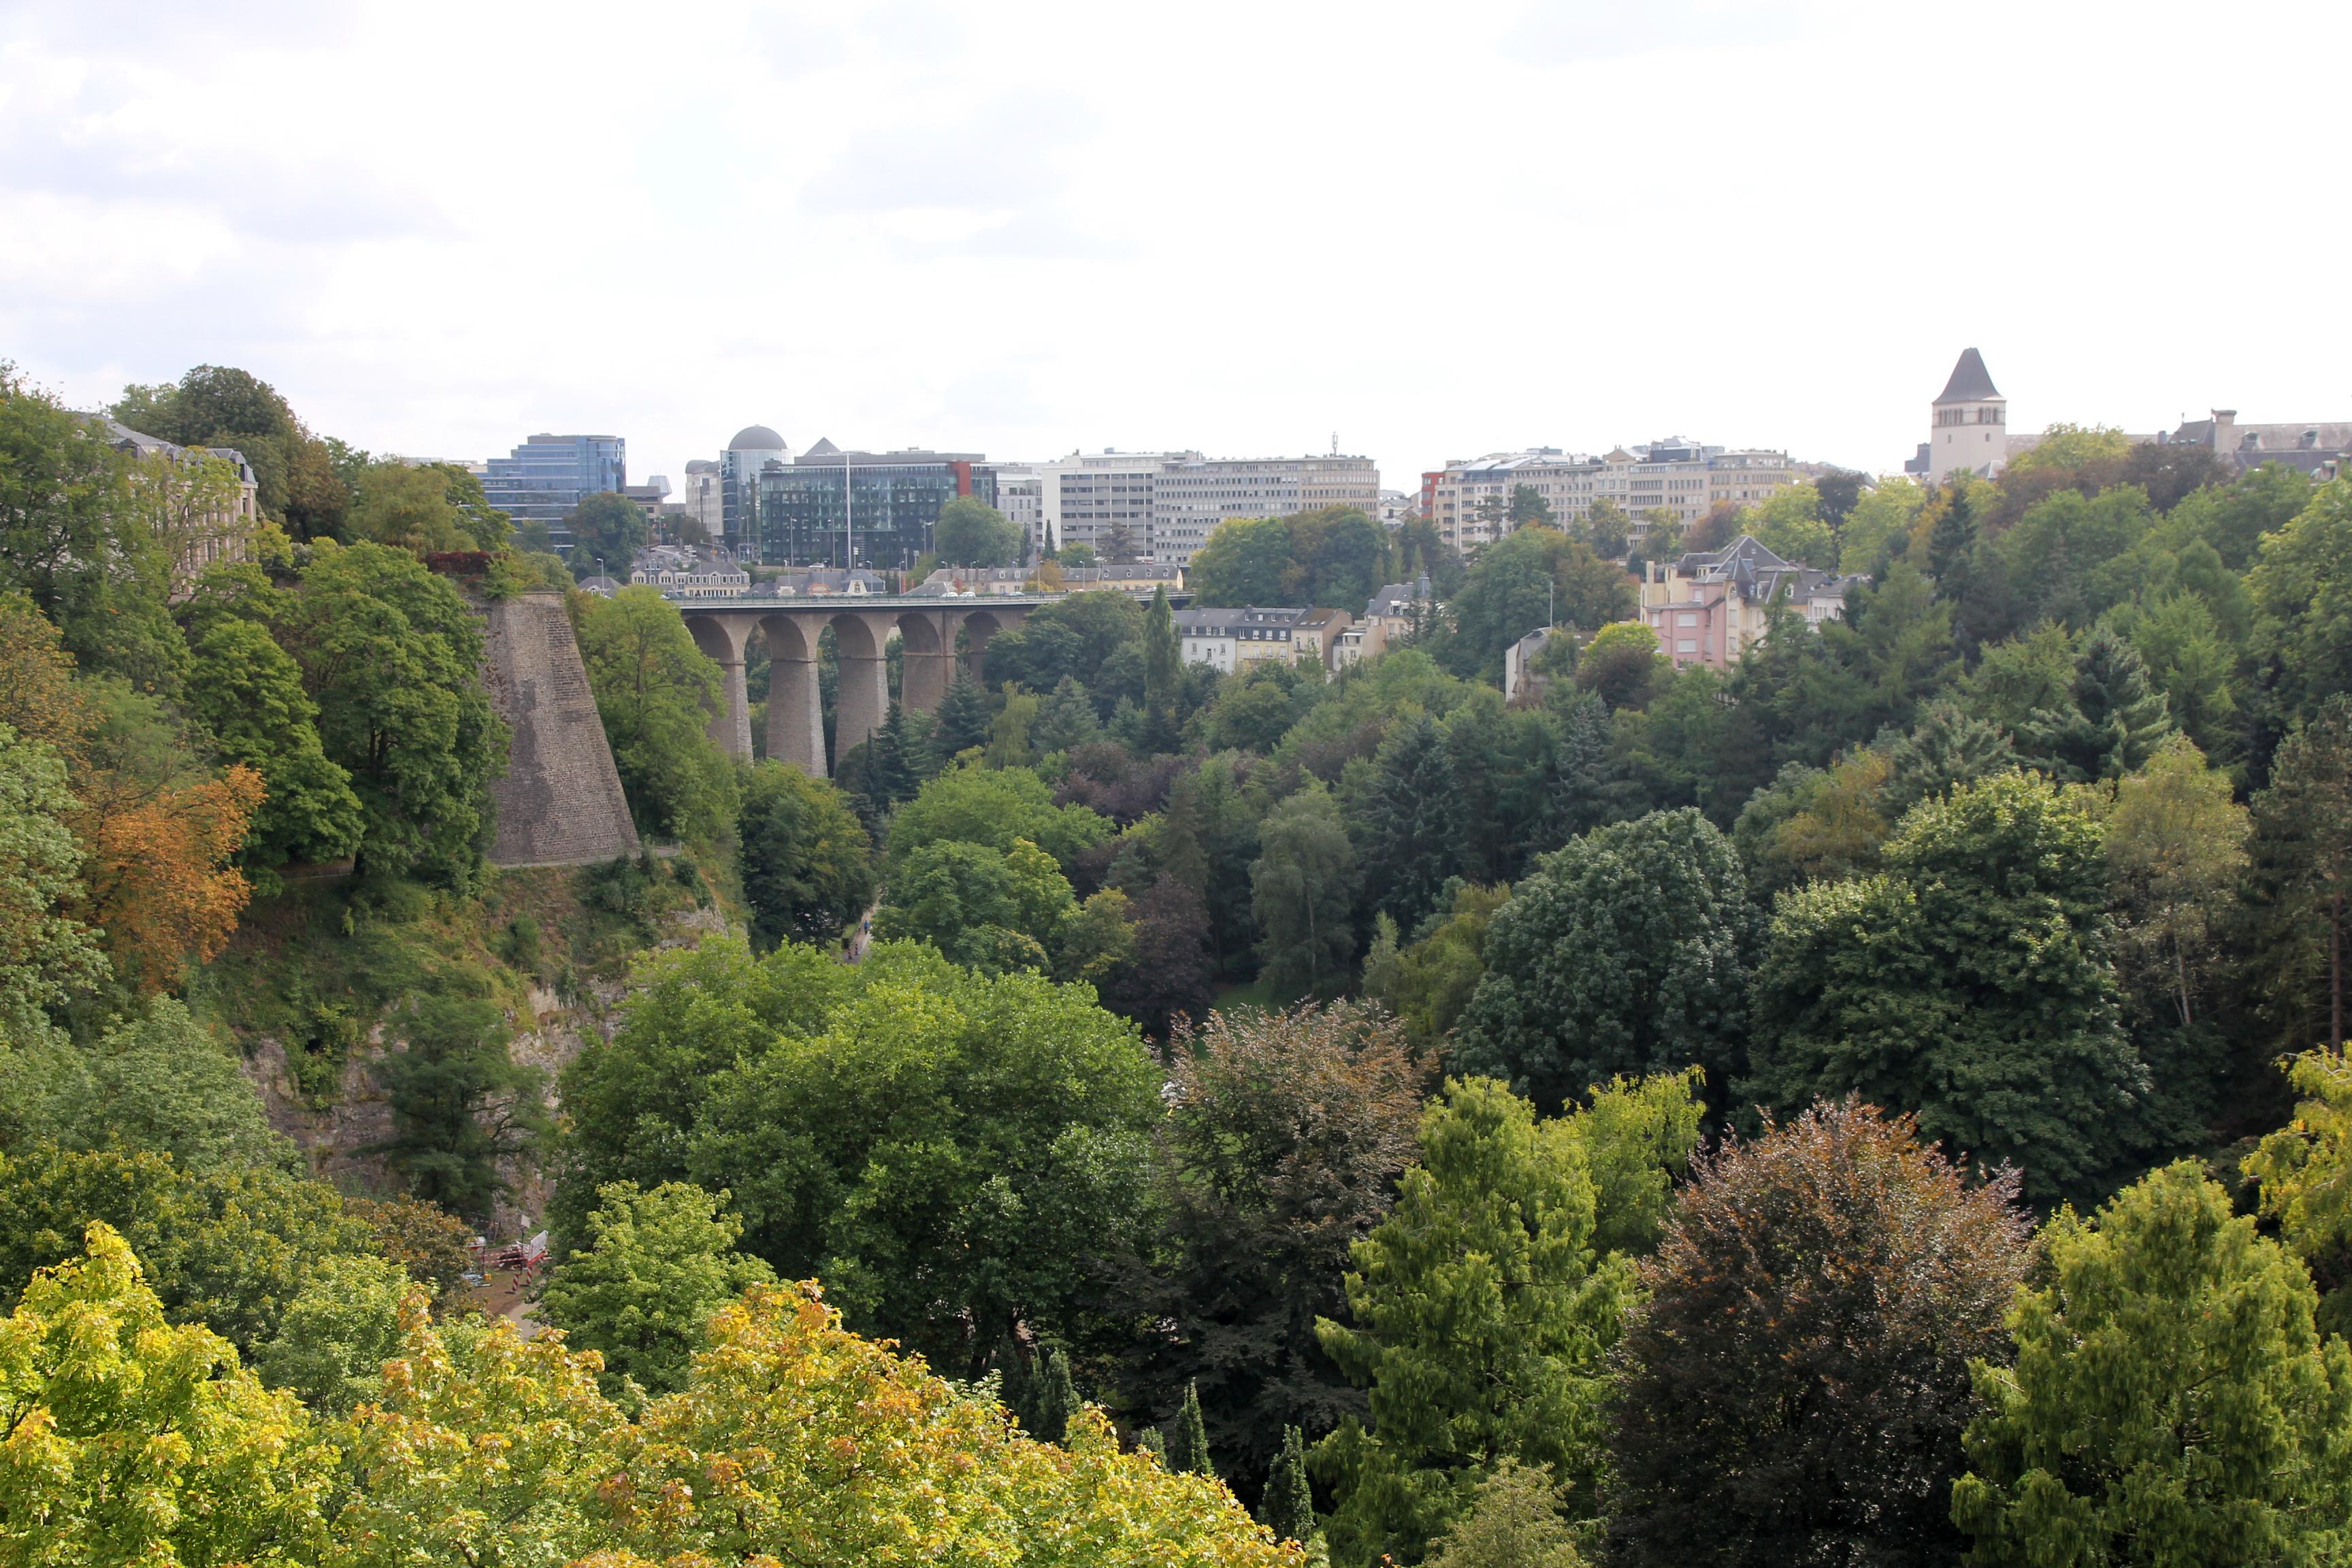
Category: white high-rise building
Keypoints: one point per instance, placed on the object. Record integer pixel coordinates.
(1469, 499)
(1169, 502)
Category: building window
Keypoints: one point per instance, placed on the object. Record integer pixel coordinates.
(1686, 644)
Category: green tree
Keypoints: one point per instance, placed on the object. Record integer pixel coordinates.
(1537, 576)
(132, 1440)
(248, 693)
(1066, 719)
(154, 1081)
(1971, 982)
(1627, 951)
(1790, 524)
(231, 1249)
(1240, 563)
(996, 807)
(1163, 676)
(656, 691)
(2170, 1402)
(2176, 843)
(1285, 1135)
(2302, 586)
(2303, 826)
(986, 908)
(1515, 1520)
(1055, 1399)
(970, 532)
(337, 1332)
(46, 956)
(947, 1151)
(657, 1266)
(1529, 506)
(1188, 1450)
(963, 721)
(1430, 983)
(425, 507)
(462, 1106)
(220, 406)
(1303, 892)
(1404, 822)
(2109, 723)
(1076, 636)
(608, 529)
(1287, 1507)
(1623, 665)
(808, 868)
(1479, 1321)
(71, 539)
(1796, 1381)
(1608, 530)
(393, 658)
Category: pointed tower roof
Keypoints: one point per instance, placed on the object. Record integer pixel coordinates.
(824, 448)
(1970, 382)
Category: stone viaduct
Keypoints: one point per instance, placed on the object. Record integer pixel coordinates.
(927, 628)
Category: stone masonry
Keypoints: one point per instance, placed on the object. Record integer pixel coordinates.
(559, 803)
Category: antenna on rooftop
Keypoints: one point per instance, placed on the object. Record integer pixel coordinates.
(1335, 443)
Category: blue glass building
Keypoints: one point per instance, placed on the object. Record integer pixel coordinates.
(830, 507)
(547, 475)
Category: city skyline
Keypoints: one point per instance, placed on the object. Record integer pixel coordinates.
(905, 225)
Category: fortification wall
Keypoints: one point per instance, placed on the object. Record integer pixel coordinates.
(561, 800)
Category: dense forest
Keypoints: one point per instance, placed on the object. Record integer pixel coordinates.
(1882, 1104)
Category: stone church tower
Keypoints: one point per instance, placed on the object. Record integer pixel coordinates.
(1969, 428)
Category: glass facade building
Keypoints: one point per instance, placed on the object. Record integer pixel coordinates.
(546, 477)
(892, 502)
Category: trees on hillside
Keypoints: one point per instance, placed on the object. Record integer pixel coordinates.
(1795, 1383)
(608, 529)
(1303, 892)
(1627, 951)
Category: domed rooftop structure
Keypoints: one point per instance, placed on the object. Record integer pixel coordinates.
(756, 438)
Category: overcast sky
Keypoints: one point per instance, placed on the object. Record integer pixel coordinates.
(1026, 226)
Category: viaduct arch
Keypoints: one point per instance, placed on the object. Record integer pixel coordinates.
(927, 630)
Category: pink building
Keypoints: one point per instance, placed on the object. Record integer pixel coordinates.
(1708, 607)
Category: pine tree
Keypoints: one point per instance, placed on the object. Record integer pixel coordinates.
(1162, 674)
(1287, 1507)
(2109, 723)
(1054, 1399)
(1188, 1449)
(1406, 828)
(1949, 746)
(963, 719)
(1152, 1442)
(1066, 719)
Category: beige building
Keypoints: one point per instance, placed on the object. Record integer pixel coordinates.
(1470, 499)
(1709, 607)
(1232, 640)
(204, 504)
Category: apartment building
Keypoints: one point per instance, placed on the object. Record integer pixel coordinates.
(1232, 640)
(684, 572)
(1169, 502)
(1468, 501)
(197, 523)
(1709, 607)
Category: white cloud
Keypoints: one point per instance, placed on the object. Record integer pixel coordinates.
(1037, 225)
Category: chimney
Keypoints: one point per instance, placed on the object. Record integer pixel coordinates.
(2225, 424)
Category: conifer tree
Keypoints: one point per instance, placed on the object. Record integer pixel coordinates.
(1188, 1450)
(1053, 1398)
(2113, 723)
(1163, 675)
(963, 719)
(1287, 1507)
(1153, 1442)
(1066, 719)
(1949, 746)
(1405, 827)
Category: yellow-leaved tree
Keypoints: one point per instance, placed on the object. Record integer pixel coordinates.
(130, 1441)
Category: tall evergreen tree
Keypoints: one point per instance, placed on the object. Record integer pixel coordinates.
(1405, 822)
(964, 718)
(1949, 746)
(1188, 1448)
(1053, 1398)
(1288, 1509)
(2304, 845)
(1163, 675)
(2111, 722)
(1066, 719)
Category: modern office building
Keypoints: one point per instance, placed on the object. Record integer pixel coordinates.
(1168, 503)
(700, 501)
(542, 480)
(747, 455)
(833, 507)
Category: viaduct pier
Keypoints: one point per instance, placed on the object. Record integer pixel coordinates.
(930, 629)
